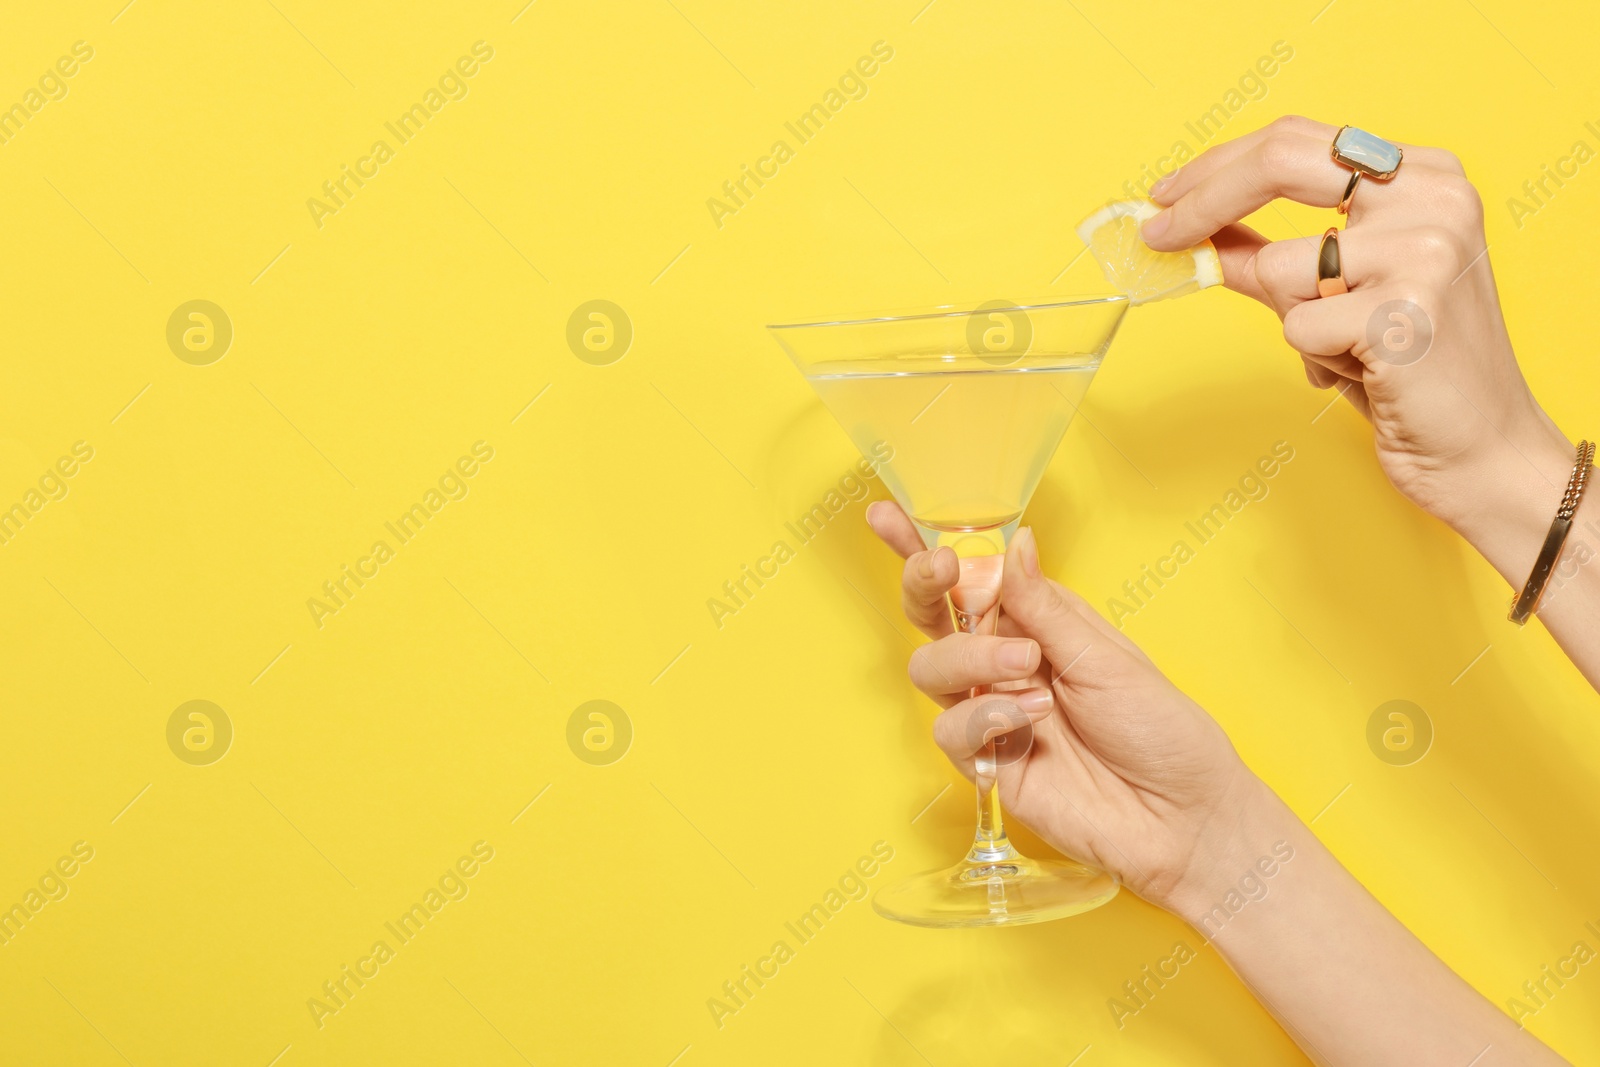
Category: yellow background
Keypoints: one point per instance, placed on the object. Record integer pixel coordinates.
(369, 754)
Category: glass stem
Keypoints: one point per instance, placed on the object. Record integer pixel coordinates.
(990, 840)
(989, 843)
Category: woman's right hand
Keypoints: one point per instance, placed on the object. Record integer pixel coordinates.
(1418, 345)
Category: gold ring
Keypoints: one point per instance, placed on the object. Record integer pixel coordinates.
(1365, 154)
(1349, 192)
(1330, 266)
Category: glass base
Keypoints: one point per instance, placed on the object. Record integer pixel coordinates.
(996, 887)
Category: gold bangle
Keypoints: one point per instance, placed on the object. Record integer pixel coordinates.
(1528, 602)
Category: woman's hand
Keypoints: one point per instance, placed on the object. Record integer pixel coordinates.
(1123, 771)
(1418, 345)
(1128, 773)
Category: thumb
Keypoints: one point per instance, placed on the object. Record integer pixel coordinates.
(1045, 611)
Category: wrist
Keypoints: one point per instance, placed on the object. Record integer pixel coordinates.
(1509, 497)
(1245, 836)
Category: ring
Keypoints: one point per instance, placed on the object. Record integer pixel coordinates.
(1330, 267)
(1365, 154)
(1349, 192)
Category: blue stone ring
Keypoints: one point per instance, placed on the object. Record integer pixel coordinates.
(1364, 154)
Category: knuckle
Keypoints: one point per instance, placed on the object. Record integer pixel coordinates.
(1063, 605)
(912, 572)
(1282, 150)
(910, 599)
(973, 657)
(1438, 252)
(1308, 330)
(950, 733)
(1296, 328)
(1068, 597)
(1447, 160)
(920, 586)
(921, 666)
(1459, 200)
(1414, 293)
(1299, 316)
(940, 666)
(1298, 124)
(1422, 292)
(1181, 212)
(1431, 241)
(1294, 323)
(1273, 266)
(920, 615)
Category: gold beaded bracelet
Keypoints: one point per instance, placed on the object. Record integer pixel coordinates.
(1528, 602)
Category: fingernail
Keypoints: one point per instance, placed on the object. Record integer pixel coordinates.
(1163, 185)
(925, 565)
(870, 520)
(1157, 226)
(1028, 552)
(1033, 701)
(1016, 655)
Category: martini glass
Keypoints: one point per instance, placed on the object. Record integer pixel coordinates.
(969, 406)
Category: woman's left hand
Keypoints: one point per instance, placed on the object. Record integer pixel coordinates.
(1122, 769)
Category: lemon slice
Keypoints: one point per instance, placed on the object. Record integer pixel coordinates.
(1112, 234)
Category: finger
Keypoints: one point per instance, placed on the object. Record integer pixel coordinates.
(894, 528)
(925, 584)
(1301, 169)
(1067, 636)
(1344, 367)
(1237, 246)
(1334, 325)
(1287, 271)
(1214, 159)
(1097, 623)
(1284, 165)
(966, 727)
(953, 666)
(1326, 337)
(1319, 376)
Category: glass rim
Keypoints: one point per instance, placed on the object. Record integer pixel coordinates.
(944, 311)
